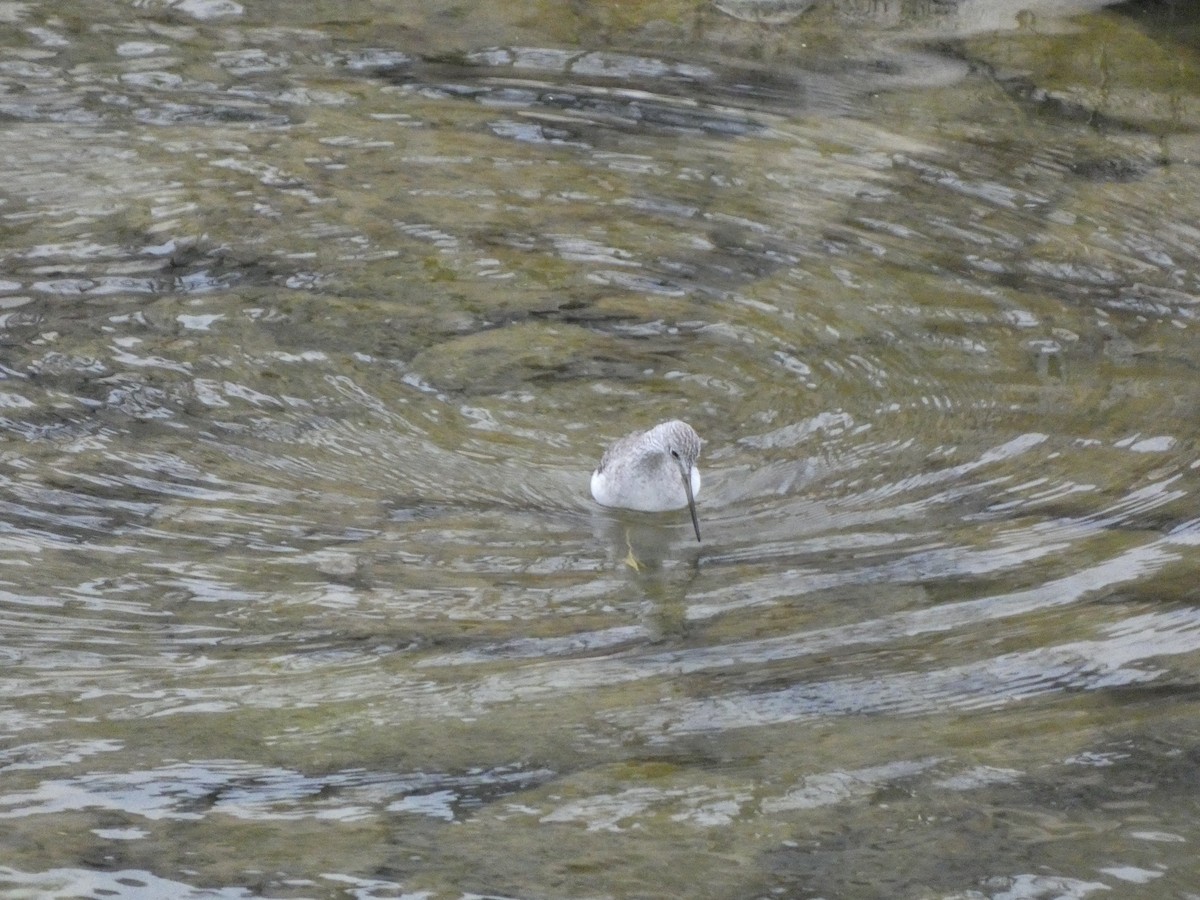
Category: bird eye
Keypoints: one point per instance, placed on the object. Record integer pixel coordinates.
(675, 453)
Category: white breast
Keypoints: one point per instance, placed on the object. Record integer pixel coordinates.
(627, 489)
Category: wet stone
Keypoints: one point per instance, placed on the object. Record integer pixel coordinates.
(518, 355)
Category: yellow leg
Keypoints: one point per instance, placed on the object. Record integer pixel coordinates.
(630, 559)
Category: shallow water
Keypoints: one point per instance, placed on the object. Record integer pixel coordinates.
(314, 320)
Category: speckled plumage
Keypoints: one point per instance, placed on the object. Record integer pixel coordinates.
(651, 471)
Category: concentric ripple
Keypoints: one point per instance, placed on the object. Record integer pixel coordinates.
(312, 334)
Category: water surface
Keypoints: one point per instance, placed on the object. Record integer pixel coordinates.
(314, 321)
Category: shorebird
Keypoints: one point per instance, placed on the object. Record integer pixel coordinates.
(651, 471)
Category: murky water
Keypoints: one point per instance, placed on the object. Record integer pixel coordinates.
(314, 319)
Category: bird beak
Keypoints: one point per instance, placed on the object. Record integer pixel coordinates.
(687, 486)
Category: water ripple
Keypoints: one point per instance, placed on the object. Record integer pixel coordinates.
(194, 790)
(310, 348)
(1080, 666)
